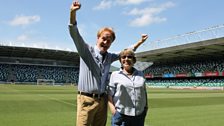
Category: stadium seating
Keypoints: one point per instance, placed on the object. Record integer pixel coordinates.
(166, 74)
(30, 73)
(193, 67)
(4, 72)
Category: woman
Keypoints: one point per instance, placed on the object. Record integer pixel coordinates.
(127, 93)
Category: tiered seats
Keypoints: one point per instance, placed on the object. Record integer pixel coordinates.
(30, 73)
(194, 67)
(4, 72)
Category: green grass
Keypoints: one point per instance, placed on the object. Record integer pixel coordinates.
(25, 105)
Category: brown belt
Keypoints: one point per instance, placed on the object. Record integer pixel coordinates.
(92, 95)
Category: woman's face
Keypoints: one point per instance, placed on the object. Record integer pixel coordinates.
(127, 61)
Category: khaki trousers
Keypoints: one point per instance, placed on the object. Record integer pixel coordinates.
(91, 111)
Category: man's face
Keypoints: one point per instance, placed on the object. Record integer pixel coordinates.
(104, 41)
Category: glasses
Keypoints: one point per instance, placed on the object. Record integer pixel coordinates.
(124, 57)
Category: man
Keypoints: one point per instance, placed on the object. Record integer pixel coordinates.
(94, 70)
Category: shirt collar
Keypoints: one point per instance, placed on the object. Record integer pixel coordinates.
(134, 72)
(98, 51)
(98, 54)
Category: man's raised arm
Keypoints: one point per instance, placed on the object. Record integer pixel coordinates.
(74, 7)
(142, 40)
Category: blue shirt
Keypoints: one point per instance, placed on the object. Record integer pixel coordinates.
(128, 93)
(93, 72)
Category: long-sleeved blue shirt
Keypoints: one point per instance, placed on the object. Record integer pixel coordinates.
(93, 72)
(129, 94)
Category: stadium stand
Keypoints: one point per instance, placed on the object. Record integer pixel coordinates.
(194, 59)
(26, 65)
(187, 62)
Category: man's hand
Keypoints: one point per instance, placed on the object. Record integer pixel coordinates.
(75, 6)
(142, 40)
(144, 37)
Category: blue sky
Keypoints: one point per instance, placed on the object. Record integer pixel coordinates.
(43, 23)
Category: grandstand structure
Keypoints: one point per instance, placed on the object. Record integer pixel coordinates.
(194, 60)
(27, 65)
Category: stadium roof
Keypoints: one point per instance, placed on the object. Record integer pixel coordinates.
(208, 49)
(39, 53)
